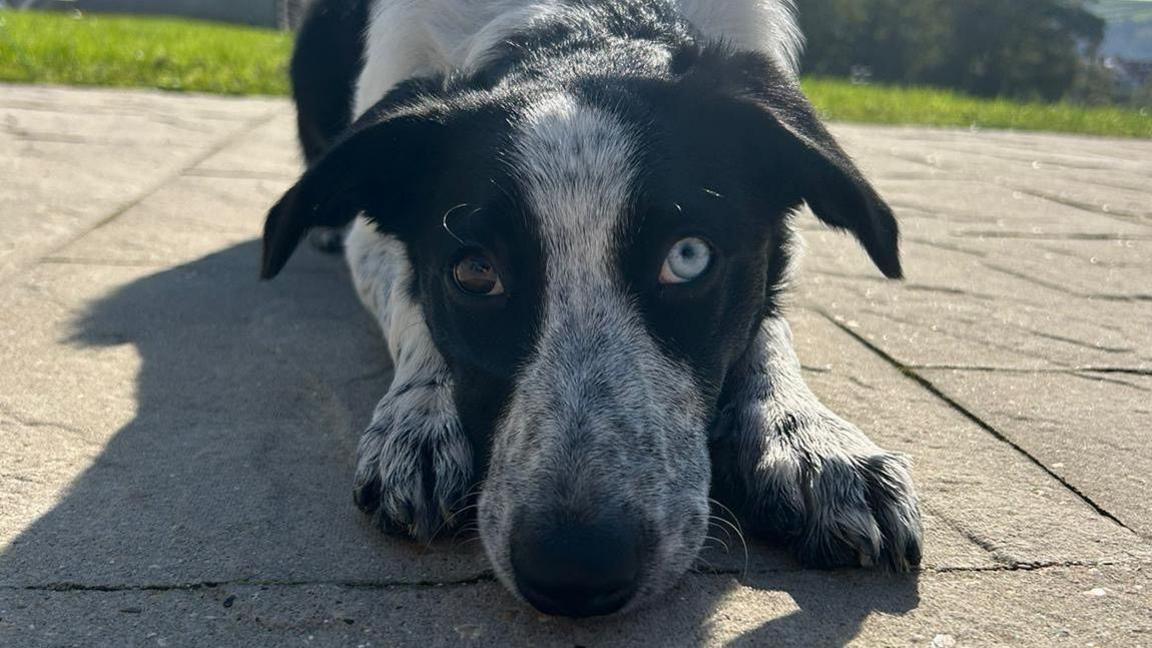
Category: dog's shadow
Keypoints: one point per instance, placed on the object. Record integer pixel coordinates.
(236, 469)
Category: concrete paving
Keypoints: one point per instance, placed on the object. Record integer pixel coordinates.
(176, 438)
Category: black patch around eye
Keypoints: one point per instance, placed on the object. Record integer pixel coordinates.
(695, 187)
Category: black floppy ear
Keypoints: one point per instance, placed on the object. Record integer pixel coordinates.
(837, 191)
(374, 168)
(791, 147)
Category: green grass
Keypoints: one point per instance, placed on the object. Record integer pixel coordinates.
(206, 57)
(843, 101)
(122, 51)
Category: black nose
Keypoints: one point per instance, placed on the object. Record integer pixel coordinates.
(577, 568)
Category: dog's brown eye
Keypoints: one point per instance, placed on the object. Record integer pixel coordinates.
(475, 275)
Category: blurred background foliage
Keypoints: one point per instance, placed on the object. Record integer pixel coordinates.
(1045, 50)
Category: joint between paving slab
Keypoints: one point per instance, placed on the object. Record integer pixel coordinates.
(488, 577)
(65, 586)
(971, 416)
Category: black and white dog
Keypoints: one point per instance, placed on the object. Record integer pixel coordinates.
(570, 218)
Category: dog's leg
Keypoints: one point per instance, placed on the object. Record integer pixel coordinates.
(414, 463)
(797, 472)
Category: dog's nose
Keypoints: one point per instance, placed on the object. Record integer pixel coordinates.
(578, 569)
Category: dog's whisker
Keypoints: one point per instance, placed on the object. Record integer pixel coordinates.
(468, 529)
(725, 509)
(718, 541)
(466, 542)
(449, 520)
(707, 563)
(735, 526)
(727, 533)
(716, 522)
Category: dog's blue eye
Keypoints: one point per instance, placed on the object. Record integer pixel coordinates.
(687, 260)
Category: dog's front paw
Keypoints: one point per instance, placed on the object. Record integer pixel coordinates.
(837, 498)
(414, 463)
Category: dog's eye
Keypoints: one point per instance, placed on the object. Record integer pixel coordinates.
(686, 261)
(476, 275)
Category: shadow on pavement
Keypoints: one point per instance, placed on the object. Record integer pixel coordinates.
(237, 468)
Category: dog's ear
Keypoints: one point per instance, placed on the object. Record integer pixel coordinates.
(377, 168)
(790, 150)
(830, 183)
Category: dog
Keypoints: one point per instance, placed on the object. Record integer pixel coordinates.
(571, 220)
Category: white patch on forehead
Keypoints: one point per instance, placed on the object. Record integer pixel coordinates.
(577, 165)
(599, 412)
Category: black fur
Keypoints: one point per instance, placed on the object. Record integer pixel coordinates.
(325, 65)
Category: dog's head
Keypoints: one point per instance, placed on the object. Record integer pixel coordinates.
(592, 259)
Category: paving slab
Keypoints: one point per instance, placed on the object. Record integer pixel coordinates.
(185, 220)
(1037, 325)
(268, 151)
(75, 100)
(984, 488)
(226, 432)
(177, 438)
(983, 308)
(1090, 428)
(73, 158)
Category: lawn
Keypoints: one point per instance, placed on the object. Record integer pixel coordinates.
(843, 101)
(154, 53)
(205, 57)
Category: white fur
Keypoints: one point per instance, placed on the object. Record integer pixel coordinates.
(412, 38)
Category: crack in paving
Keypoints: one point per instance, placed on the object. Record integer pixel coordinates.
(983, 543)
(918, 287)
(1121, 215)
(971, 416)
(1114, 381)
(226, 174)
(39, 423)
(1006, 348)
(1139, 297)
(111, 263)
(944, 246)
(1137, 371)
(1080, 343)
(1055, 236)
(150, 112)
